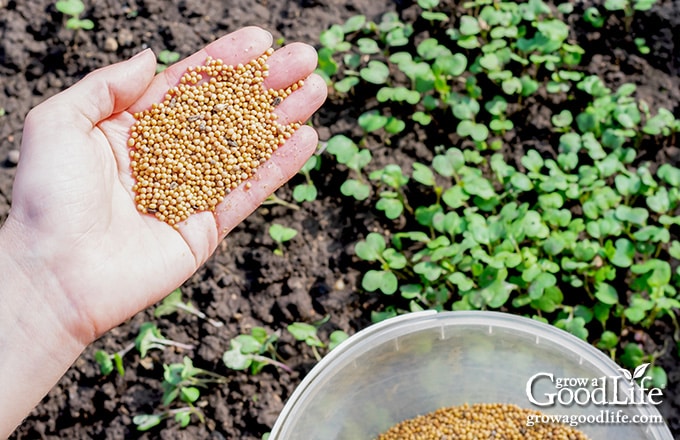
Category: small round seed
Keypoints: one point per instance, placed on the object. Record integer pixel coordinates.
(212, 130)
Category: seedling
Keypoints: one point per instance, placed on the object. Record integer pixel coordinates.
(144, 422)
(150, 338)
(273, 199)
(181, 381)
(107, 361)
(73, 9)
(307, 192)
(307, 333)
(281, 234)
(173, 303)
(249, 351)
(165, 59)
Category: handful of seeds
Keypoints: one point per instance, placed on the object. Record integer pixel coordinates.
(210, 134)
(492, 421)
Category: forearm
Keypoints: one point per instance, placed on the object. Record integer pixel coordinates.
(35, 347)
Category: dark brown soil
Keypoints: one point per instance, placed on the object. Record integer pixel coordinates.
(244, 284)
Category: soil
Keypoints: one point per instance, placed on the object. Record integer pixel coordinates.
(244, 284)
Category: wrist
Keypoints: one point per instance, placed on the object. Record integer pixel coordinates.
(36, 338)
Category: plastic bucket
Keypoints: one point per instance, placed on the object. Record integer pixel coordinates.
(416, 363)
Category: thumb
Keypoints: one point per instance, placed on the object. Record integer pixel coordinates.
(105, 91)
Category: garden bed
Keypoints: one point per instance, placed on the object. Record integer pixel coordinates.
(316, 277)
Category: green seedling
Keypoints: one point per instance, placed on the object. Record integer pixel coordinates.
(273, 199)
(181, 382)
(253, 351)
(145, 422)
(151, 338)
(307, 192)
(307, 333)
(281, 234)
(165, 59)
(348, 153)
(107, 362)
(73, 9)
(173, 303)
(641, 45)
(585, 240)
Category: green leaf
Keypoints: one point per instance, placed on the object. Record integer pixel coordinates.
(336, 338)
(428, 4)
(346, 84)
(533, 161)
(469, 25)
(280, 233)
(623, 253)
(333, 38)
(421, 118)
(478, 186)
(608, 340)
(104, 361)
(70, 7)
(302, 331)
(533, 225)
(368, 46)
(394, 125)
(632, 356)
(423, 174)
(669, 174)
(376, 72)
(145, 422)
(657, 271)
(189, 394)
(371, 248)
(463, 282)
(450, 163)
(354, 23)
(391, 207)
(183, 418)
(354, 188)
(659, 202)
(540, 283)
(372, 120)
(248, 344)
(615, 5)
(607, 294)
(453, 65)
(342, 147)
(575, 326)
(234, 359)
(637, 216)
(305, 192)
(379, 279)
(521, 182)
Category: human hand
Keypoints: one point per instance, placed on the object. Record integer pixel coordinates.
(73, 208)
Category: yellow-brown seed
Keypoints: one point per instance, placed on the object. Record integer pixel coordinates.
(213, 130)
(480, 421)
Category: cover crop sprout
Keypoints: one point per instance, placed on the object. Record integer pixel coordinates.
(173, 303)
(73, 9)
(464, 229)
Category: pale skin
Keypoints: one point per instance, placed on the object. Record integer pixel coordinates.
(76, 257)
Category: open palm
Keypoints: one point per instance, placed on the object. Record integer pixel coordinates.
(73, 201)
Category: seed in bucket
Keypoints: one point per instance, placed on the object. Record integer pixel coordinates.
(482, 421)
(211, 133)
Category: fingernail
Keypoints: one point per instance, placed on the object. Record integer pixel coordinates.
(141, 53)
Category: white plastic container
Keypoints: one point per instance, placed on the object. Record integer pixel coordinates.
(416, 363)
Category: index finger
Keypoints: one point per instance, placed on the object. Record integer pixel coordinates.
(237, 47)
